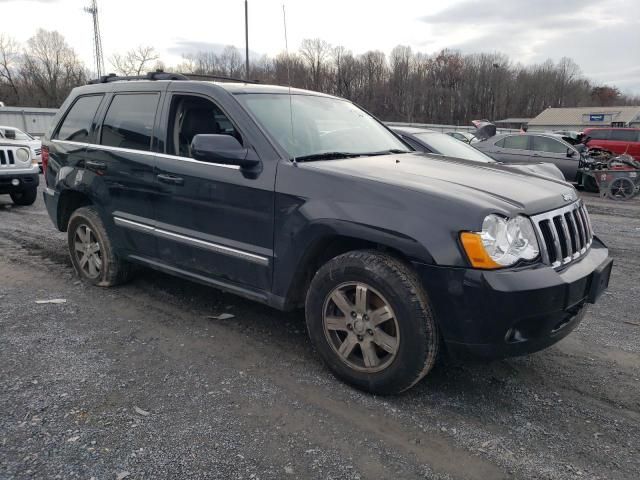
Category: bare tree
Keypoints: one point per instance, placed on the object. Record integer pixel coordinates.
(134, 62)
(50, 68)
(9, 58)
(315, 53)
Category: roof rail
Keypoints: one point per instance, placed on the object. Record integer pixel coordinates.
(157, 75)
(199, 76)
(162, 75)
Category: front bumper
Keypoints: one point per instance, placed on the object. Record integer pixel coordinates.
(26, 181)
(504, 313)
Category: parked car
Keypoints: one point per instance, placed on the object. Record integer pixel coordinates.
(16, 136)
(430, 141)
(298, 199)
(616, 140)
(465, 137)
(18, 173)
(533, 148)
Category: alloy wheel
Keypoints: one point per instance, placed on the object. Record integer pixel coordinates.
(87, 251)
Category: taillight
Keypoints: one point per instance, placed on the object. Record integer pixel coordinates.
(44, 154)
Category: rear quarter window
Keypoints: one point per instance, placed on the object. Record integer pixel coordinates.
(129, 121)
(517, 142)
(598, 134)
(76, 125)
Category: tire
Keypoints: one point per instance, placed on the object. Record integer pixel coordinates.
(380, 290)
(25, 197)
(86, 230)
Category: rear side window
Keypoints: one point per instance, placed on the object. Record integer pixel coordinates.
(129, 121)
(624, 135)
(77, 124)
(549, 145)
(517, 142)
(599, 134)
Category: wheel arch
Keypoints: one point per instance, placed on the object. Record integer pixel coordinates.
(326, 240)
(69, 202)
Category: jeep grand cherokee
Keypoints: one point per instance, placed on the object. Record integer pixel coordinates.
(296, 199)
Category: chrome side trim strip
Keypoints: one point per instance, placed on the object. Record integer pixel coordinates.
(214, 247)
(142, 152)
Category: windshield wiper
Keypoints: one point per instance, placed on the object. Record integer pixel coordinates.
(339, 155)
(326, 156)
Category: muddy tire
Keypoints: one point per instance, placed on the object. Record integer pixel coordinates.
(25, 197)
(370, 320)
(92, 252)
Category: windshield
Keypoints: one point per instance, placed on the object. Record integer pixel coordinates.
(449, 146)
(321, 125)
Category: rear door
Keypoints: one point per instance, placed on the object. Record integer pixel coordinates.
(551, 150)
(121, 165)
(213, 220)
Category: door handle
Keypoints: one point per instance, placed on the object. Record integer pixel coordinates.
(95, 165)
(170, 179)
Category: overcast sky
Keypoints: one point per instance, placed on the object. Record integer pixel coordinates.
(602, 36)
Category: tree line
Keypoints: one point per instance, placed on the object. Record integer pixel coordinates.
(447, 87)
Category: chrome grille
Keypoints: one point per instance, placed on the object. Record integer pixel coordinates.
(564, 234)
(6, 158)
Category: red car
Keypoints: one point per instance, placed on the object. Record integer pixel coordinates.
(616, 140)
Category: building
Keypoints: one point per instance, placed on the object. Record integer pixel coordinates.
(580, 118)
(35, 121)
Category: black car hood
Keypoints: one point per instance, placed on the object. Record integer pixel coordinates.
(488, 185)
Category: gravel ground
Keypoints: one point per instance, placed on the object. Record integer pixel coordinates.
(136, 382)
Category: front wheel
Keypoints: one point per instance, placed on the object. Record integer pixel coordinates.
(370, 320)
(24, 197)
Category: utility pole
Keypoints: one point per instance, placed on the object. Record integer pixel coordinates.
(246, 38)
(97, 39)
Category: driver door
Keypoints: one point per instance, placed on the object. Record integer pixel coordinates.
(213, 220)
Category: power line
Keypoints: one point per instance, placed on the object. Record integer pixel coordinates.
(97, 39)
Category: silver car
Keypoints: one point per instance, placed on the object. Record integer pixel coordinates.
(533, 147)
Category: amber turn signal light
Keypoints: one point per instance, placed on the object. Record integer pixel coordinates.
(478, 256)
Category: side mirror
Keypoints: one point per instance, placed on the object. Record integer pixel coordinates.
(225, 149)
(570, 152)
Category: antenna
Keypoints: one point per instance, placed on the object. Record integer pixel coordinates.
(286, 48)
(97, 40)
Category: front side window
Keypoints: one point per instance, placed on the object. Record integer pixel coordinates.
(548, 145)
(190, 116)
(624, 135)
(309, 125)
(517, 142)
(77, 123)
(129, 121)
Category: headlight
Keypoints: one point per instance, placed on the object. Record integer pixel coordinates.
(23, 155)
(501, 243)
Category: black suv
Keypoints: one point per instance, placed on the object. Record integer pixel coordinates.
(295, 198)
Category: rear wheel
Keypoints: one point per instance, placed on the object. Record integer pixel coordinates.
(25, 197)
(92, 252)
(621, 189)
(370, 320)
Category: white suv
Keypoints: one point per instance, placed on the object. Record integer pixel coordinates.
(19, 172)
(13, 135)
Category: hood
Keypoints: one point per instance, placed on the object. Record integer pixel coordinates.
(490, 186)
(542, 169)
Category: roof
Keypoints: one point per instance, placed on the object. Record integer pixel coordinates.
(410, 129)
(514, 120)
(586, 116)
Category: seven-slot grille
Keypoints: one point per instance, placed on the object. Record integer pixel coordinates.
(6, 158)
(564, 234)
